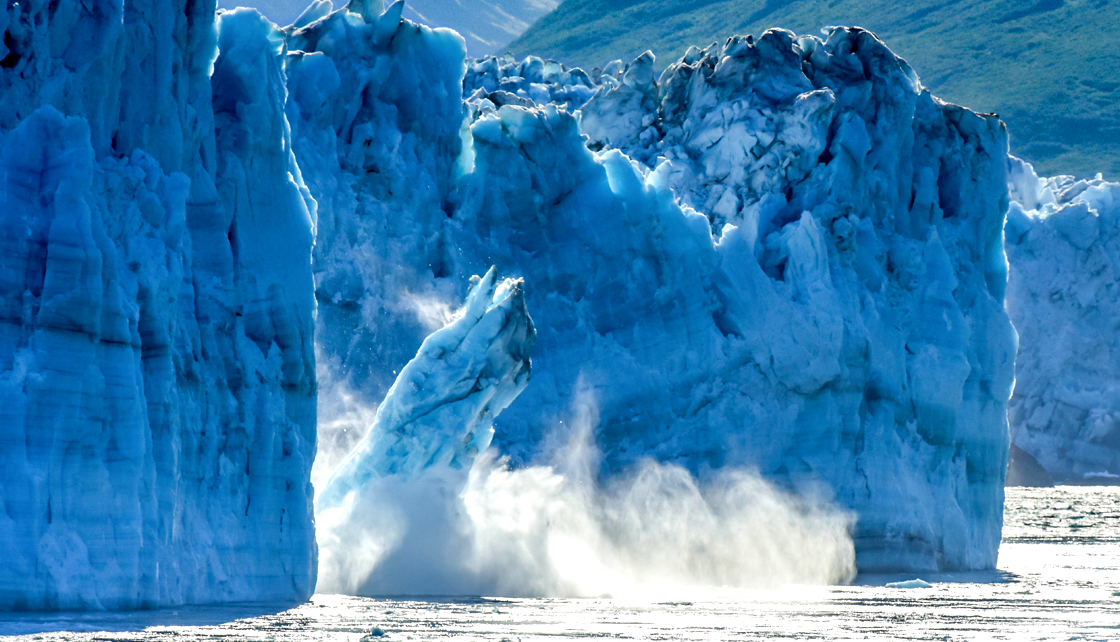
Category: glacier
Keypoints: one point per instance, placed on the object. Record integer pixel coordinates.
(781, 255)
(157, 374)
(1063, 237)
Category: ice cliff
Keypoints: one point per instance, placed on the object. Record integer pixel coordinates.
(781, 254)
(1063, 240)
(157, 380)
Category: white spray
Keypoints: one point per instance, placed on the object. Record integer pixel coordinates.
(554, 531)
(422, 505)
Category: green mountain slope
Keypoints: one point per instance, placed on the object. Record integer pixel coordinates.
(1049, 68)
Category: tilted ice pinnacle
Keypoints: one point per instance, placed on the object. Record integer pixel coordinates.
(441, 409)
(369, 10)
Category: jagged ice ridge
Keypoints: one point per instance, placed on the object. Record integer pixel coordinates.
(1063, 240)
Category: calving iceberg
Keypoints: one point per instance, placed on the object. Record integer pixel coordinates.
(1063, 238)
(416, 457)
(423, 506)
(157, 380)
(439, 411)
(783, 253)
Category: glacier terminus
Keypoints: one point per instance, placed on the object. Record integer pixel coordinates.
(778, 269)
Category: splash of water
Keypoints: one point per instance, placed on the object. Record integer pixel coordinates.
(343, 420)
(554, 530)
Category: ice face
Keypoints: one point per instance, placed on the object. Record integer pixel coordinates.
(843, 290)
(378, 151)
(1062, 237)
(156, 366)
(784, 254)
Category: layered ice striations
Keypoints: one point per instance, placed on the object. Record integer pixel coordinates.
(1063, 237)
(782, 253)
(157, 381)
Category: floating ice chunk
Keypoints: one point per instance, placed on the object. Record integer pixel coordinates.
(915, 583)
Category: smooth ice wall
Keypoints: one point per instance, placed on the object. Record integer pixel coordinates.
(157, 383)
(812, 285)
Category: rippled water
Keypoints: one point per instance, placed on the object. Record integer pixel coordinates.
(1058, 579)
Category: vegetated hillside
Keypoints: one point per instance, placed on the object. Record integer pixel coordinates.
(1046, 67)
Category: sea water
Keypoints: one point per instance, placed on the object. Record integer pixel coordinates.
(1058, 579)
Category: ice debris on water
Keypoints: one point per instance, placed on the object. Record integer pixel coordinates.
(916, 583)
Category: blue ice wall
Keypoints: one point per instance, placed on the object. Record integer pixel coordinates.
(157, 422)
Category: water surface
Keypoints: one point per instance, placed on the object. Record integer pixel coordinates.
(1058, 579)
